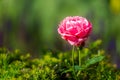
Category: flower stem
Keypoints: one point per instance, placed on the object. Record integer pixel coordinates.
(73, 57)
(79, 61)
(79, 58)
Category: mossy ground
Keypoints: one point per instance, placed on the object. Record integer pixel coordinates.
(58, 66)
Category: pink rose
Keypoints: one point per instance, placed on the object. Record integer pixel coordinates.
(75, 30)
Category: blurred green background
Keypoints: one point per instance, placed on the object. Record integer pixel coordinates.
(31, 25)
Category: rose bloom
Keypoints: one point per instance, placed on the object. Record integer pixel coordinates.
(75, 30)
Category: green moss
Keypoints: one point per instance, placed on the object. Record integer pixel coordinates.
(95, 66)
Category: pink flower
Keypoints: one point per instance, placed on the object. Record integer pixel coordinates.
(75, 30)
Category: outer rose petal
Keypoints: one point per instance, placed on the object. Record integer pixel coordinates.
(88, 30)
(70, 37)
(78, 42)
(61, 30)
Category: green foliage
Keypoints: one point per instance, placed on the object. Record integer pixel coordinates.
(95, 65)
(94, 60)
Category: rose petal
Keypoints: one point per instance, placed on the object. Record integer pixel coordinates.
(73, 31)
(81, 34)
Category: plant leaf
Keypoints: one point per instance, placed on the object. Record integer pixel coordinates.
(69, 70)
(78, 68)
(94, 60)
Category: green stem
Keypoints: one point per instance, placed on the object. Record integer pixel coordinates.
(79, 61)
(79, 58)
(73, 62)
(73, 57)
